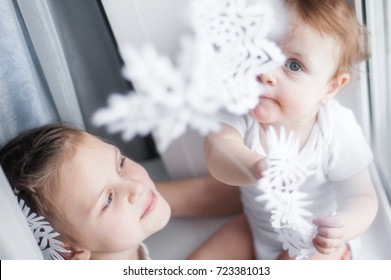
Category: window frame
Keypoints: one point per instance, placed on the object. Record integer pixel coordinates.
(376, 19)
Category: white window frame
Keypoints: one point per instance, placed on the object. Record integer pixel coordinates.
(376, 87)
(377, 20)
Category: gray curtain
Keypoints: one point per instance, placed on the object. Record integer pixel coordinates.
(94, 65)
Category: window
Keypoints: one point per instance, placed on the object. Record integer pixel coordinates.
(377, 16)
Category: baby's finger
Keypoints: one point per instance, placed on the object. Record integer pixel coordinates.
(327, 243)
(258, 168)
(322, 250)
(330, 233)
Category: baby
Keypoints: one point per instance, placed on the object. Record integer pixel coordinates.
(323, 45)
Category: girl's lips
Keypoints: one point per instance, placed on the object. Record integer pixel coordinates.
(150, 206)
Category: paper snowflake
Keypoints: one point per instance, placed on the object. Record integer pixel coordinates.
(216, 73)
(44, 234)
(287, 169)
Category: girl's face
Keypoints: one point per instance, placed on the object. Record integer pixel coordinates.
(109, 200)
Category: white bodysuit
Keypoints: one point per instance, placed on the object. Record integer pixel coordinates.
(343, 153)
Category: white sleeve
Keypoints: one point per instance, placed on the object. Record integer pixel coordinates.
(349, 152)
(240, 123)
(248, 129)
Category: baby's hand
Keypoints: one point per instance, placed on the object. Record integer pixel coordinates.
(258, 167)
(330, 235)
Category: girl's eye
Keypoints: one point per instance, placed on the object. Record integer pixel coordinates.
(108, 201)
(121, 164)
(294, 66)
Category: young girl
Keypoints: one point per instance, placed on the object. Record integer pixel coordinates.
(322, 46)
(102, 204)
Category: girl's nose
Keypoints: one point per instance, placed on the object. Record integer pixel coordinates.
(134, 189)
(267, 79)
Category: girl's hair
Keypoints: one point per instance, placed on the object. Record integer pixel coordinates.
(335, 18)
(32, 163)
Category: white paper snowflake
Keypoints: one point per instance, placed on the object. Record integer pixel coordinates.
(297, 243)
(233, 34)
(287, 169)
(216, 73)
(44, 234)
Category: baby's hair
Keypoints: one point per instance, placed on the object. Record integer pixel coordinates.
(32, 163)
(336, 18)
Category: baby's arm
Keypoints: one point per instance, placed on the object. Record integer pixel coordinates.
(230, 161)
(206, 196)
(202, 196)
(356, 211)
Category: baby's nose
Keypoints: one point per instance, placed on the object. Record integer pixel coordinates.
(267, 79)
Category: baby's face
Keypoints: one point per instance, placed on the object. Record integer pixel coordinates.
(109, 200)
(295, 91)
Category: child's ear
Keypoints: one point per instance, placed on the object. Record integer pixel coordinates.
(80, 254)
(76, 253)
(335, 85)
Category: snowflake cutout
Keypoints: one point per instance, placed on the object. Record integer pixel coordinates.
(233, 35)
(297, 243)
(44, 234)
(287, 169)
(162, 103)
(216, 73)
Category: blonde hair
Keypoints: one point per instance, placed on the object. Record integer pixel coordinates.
(32, 162)
(337, 19)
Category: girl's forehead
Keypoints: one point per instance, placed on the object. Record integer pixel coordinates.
(90, 157)
(90, 146)
(89, 169)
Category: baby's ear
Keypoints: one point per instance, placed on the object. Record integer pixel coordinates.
(76, 253)
(335, 85)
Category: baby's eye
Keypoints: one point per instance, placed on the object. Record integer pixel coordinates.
(294, 66)
(108, 201)
(121, 164)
